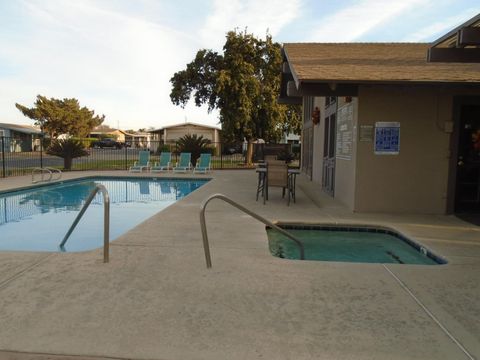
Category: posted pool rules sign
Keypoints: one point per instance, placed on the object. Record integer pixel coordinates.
(387, 138)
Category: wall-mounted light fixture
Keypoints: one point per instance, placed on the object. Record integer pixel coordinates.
(316, 115)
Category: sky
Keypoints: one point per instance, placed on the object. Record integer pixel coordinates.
(117, 56)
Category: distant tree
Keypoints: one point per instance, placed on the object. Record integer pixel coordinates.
(65, 116)
(193, 144)
(243, 83)
(68, 149)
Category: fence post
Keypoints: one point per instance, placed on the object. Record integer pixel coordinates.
(41, 150)
(221, 155)
(126, 156)
(3, 157)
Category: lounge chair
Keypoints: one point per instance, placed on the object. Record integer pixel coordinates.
(203, 163)
(164, 164)
(184, 164)
(142, 163)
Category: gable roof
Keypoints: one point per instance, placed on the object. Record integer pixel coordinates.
(26, 129)
(453, 37)
(186, 124)
(372, 63)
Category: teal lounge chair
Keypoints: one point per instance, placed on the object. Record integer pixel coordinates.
(164, 164)
(184, 164)
(203, 163)
(142, 163)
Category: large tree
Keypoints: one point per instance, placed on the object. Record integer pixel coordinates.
(65, 116)
(243, 83)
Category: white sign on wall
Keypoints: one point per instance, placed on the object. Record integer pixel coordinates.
(344, 144)
(387, 138)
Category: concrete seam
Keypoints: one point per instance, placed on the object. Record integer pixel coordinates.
(62, 356)
(4, 283)
(429, 313)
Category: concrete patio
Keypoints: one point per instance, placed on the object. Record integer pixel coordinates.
(157, 300)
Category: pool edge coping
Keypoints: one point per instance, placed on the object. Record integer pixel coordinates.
(439, 259)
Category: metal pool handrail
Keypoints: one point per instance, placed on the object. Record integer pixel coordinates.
(42, 171)
(203, 225)
(106, 220)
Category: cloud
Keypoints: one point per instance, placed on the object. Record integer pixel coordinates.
(116, 64)
(437, 29)
(256, 16)
(350, 23)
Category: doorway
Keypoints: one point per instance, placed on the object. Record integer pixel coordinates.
(467, 179)
(329, 145)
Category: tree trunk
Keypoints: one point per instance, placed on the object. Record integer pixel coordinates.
(67, 163)
(249, 153)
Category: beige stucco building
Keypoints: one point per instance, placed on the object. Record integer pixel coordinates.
(169, 135)
(391, 127)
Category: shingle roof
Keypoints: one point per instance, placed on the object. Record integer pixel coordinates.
(187, 124)
(373, 62)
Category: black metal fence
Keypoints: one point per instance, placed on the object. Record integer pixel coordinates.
(14, 160)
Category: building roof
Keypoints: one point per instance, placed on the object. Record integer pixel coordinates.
(372, 63)
(26, 129)
(453, 37)
(186, 124)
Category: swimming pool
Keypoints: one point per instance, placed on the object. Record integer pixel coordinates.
(37, 219)
(350, 244)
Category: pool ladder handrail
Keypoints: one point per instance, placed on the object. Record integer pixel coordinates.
(49, 170)
(203, 225)
(106, 220)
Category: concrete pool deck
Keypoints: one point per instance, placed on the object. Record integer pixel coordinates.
(156, 299)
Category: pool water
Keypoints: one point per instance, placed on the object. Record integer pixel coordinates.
(37, 219)
(364, 245)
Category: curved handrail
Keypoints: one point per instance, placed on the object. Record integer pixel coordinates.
(42, 171)
(55, 171)
(203, 225)
(106, 220)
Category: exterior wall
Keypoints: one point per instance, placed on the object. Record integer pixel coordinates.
(6, 132)
(307, 137)
(345, 158)
(318, 141)
(176, 133)
(15, 141)
(416, 179)
(345, 169)
(170, 135)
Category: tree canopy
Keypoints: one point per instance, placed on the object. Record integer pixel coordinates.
(65, 116)
(243, 83)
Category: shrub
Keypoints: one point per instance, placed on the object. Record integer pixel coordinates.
(285, 155)
(163, 148)
(195, 145)
(68, 149)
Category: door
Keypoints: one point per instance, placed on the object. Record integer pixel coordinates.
(328, 179)
(467, 189)
(329, 145)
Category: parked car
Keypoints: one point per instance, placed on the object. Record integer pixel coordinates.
(234, 148)
(107, 143)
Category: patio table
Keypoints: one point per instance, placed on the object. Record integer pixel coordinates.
(262, 184)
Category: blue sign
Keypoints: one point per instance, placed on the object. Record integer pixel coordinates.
(387, 138)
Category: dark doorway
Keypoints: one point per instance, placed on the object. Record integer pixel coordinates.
(467, 184)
